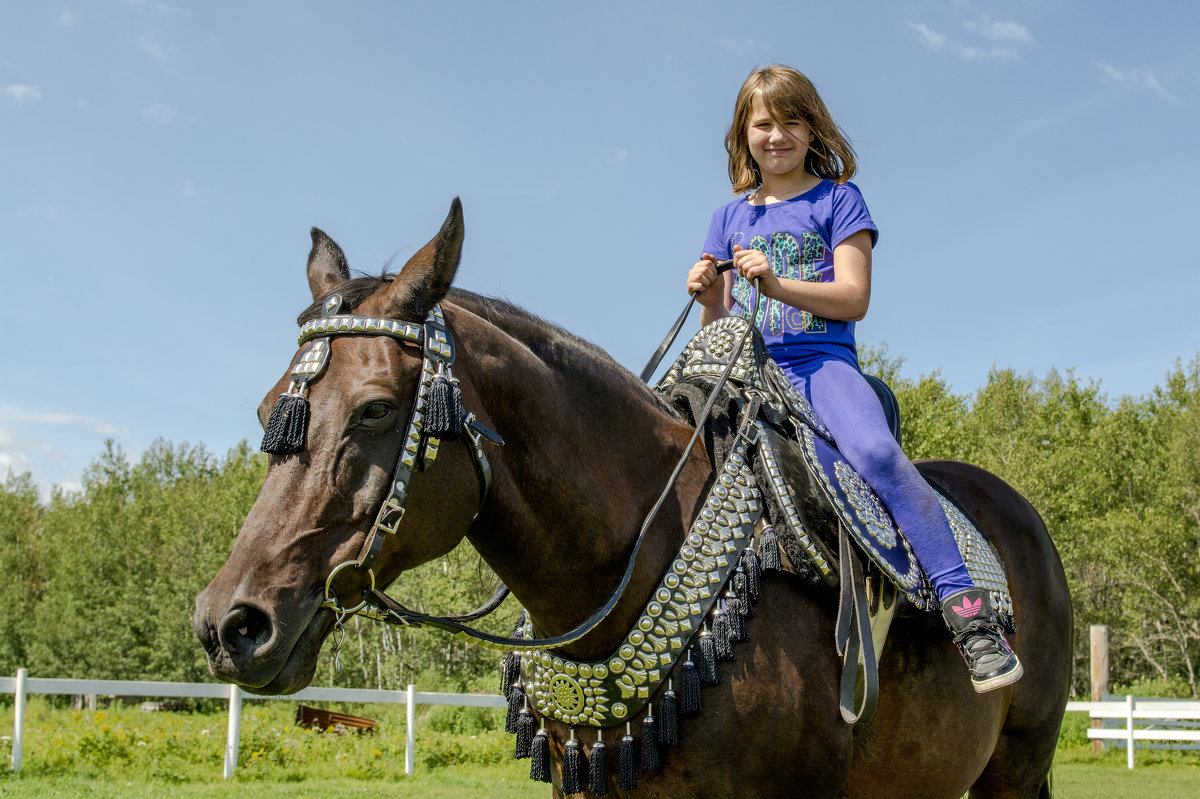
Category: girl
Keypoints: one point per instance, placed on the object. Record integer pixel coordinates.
(804, 232)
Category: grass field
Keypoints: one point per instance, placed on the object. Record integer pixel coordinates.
(124, 753)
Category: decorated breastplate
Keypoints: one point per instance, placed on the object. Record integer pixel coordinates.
(605, 692)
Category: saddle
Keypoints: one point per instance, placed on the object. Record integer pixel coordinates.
(822, 492)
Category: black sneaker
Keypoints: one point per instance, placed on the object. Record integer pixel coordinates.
(980, 638)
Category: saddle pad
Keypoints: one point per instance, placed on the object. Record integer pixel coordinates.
(871, 526)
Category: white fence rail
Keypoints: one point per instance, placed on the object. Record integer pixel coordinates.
(23, 685)
(1151, 720)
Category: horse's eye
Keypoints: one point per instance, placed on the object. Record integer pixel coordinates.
(375, 411)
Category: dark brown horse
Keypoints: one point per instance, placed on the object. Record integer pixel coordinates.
(588, 450)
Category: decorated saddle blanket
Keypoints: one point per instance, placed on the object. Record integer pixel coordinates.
(835, 487)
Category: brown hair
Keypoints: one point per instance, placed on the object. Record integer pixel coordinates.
(787, 94)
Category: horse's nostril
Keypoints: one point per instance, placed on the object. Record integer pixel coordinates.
(244, 631)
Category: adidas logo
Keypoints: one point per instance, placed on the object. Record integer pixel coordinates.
(968, 608)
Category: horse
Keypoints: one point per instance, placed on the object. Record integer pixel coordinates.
(587, 449)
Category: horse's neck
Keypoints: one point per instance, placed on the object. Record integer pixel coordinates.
(587, 455)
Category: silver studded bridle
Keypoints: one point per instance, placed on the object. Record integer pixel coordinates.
(420, 447)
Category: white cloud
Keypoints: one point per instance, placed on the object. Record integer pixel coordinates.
(15, 414)
(1141, 77)
(21, 92)
(1000, 31)
(11, 457)
(983, 38)
(159, 112)
(153, 49)
(67, 17)
(929, 37)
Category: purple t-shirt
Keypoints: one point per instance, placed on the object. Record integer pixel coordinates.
(798, 237)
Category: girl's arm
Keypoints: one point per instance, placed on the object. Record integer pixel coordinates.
(845, 299)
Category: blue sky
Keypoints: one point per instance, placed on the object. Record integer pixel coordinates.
(1031, 165)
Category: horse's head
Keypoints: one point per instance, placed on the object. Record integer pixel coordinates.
(262, 620)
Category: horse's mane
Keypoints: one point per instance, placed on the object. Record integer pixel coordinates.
(552, 344)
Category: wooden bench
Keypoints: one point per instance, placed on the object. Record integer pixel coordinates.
(330, 720)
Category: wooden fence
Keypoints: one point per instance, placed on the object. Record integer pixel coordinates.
(1160, 723)
(23, 685)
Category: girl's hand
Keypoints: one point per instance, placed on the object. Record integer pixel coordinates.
(753, 264)
(705, 283)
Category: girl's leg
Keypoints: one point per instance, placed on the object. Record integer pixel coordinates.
(848, 406)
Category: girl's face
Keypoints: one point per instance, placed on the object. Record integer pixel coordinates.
(778, 147)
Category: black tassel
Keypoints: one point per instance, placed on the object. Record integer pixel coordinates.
(627, 762)
(443, 409)
(539, 769)
(753, 587)
(768, 550)
(736, 619)
(689, 687)
(525, 727)
(510, 672)
(706, 663)
(571, 766)
(650, 759)
(738, 584)
(722, 642)
(287, 428)
(598, 768)
(516, 701)
(668, 718)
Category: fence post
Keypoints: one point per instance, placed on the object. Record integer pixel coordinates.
(1099, 665)
(18, 738)
(235, 730)
(1129, 729)
(410, 723)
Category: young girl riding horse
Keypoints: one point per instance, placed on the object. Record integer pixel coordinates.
(804, 232)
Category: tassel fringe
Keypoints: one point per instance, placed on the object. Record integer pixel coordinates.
(443, 409)
(668, 719)
(768, 549)
(627, 762)
(598, 768)
(572, 765)
(525, 725)
(539, 769)
(650, 758)
(287, 428)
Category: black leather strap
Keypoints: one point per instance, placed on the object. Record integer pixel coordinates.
(656, 358)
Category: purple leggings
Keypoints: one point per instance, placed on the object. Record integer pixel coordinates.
(847, 405)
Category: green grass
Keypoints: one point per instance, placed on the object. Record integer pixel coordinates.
(124, 753)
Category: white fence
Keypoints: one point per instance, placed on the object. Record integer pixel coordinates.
(1150, 720)
(23, 685)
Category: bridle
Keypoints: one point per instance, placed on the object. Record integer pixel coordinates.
(421, 442)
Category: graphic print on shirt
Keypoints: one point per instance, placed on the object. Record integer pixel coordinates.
(788, 259)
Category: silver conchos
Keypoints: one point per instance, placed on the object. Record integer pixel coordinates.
(605, 692)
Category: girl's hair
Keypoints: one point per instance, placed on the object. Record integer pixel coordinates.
(787, 94)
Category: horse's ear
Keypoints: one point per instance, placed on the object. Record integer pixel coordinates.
(427, 276)
(327, 267)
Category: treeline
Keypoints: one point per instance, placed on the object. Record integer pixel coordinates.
(100, 583)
